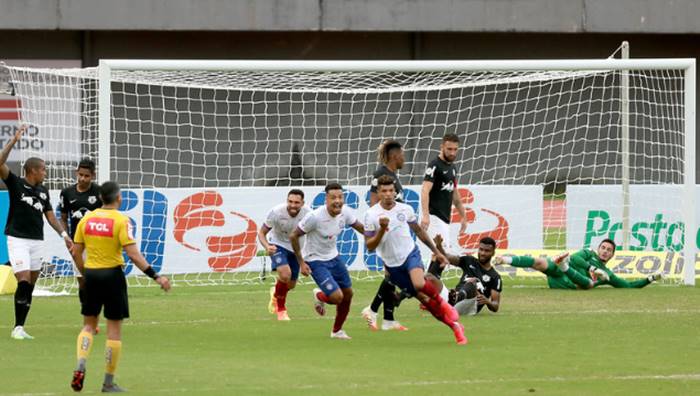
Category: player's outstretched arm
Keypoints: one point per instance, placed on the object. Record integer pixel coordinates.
(454, 260)
(137, 258)
(620, 283)
(5, 153)
(423, 236)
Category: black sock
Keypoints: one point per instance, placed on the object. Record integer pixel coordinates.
(435, 269)
(23, 296)
(389, 298)
(377, 301)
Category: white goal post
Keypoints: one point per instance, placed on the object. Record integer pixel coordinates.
(206, 133)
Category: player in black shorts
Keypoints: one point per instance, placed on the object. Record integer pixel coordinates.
(29, 204)
(391, 158)
(438, 192)
(78, 200)
(480, 284)
(104, 234)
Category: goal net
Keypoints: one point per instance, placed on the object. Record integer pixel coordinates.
(553, 155)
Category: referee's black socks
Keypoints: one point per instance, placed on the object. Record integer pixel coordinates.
(23, 300)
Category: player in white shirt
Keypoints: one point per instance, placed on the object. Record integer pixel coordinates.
(388, 228)
(320, 257)
(280, 222)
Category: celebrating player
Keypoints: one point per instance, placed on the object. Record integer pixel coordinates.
(29, 204)
(103, 234)
(480, 284)
(585, 269)
(387, 229)
(280, 222)
(391, 159)
(78, 200)
(321, 258)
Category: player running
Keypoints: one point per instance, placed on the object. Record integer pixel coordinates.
(280, 222)
(388, 228)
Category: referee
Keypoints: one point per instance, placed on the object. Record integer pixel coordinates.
(29, 203)
(103, 234)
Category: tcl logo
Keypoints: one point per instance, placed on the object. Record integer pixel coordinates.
(99, 227)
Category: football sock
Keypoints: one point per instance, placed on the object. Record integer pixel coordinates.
(523, 261)
(84, 345)
(281, 290)
(341, 314)
(22, 302)
(113, 351)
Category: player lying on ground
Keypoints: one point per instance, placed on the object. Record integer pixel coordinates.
(584, 269)
(388, 227)
(280, 222)
(480, 284)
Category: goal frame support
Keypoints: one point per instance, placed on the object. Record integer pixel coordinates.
(688, 65)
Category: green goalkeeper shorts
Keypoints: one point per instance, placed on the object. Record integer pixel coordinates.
(557, 279)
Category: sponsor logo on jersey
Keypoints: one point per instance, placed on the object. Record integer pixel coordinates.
(98, 226)
(92, 199)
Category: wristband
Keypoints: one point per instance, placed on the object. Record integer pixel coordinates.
(64, 234)
(151, 272)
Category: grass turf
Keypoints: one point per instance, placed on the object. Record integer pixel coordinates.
(221, 340)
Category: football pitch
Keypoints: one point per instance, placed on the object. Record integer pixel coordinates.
(222, 340)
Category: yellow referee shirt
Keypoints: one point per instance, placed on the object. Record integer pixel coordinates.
(104, 232)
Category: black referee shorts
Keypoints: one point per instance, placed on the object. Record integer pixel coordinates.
(106, 287)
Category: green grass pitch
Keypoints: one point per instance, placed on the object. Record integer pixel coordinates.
(221, 340)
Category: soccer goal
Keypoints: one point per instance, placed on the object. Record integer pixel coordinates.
(554, 154)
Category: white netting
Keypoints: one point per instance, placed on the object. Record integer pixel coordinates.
(196, 146)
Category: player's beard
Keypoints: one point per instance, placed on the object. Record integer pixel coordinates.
(449, 158)
(293, 211)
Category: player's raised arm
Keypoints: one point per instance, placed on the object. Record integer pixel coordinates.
(5, 153)
(423, 236)
(454, 260)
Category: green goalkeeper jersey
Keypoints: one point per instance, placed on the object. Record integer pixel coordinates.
(584, 259)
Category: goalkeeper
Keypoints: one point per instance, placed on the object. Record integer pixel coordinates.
(584, 269)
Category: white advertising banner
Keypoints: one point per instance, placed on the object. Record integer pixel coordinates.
(54, 119)
(656, 222)
(205, 230)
